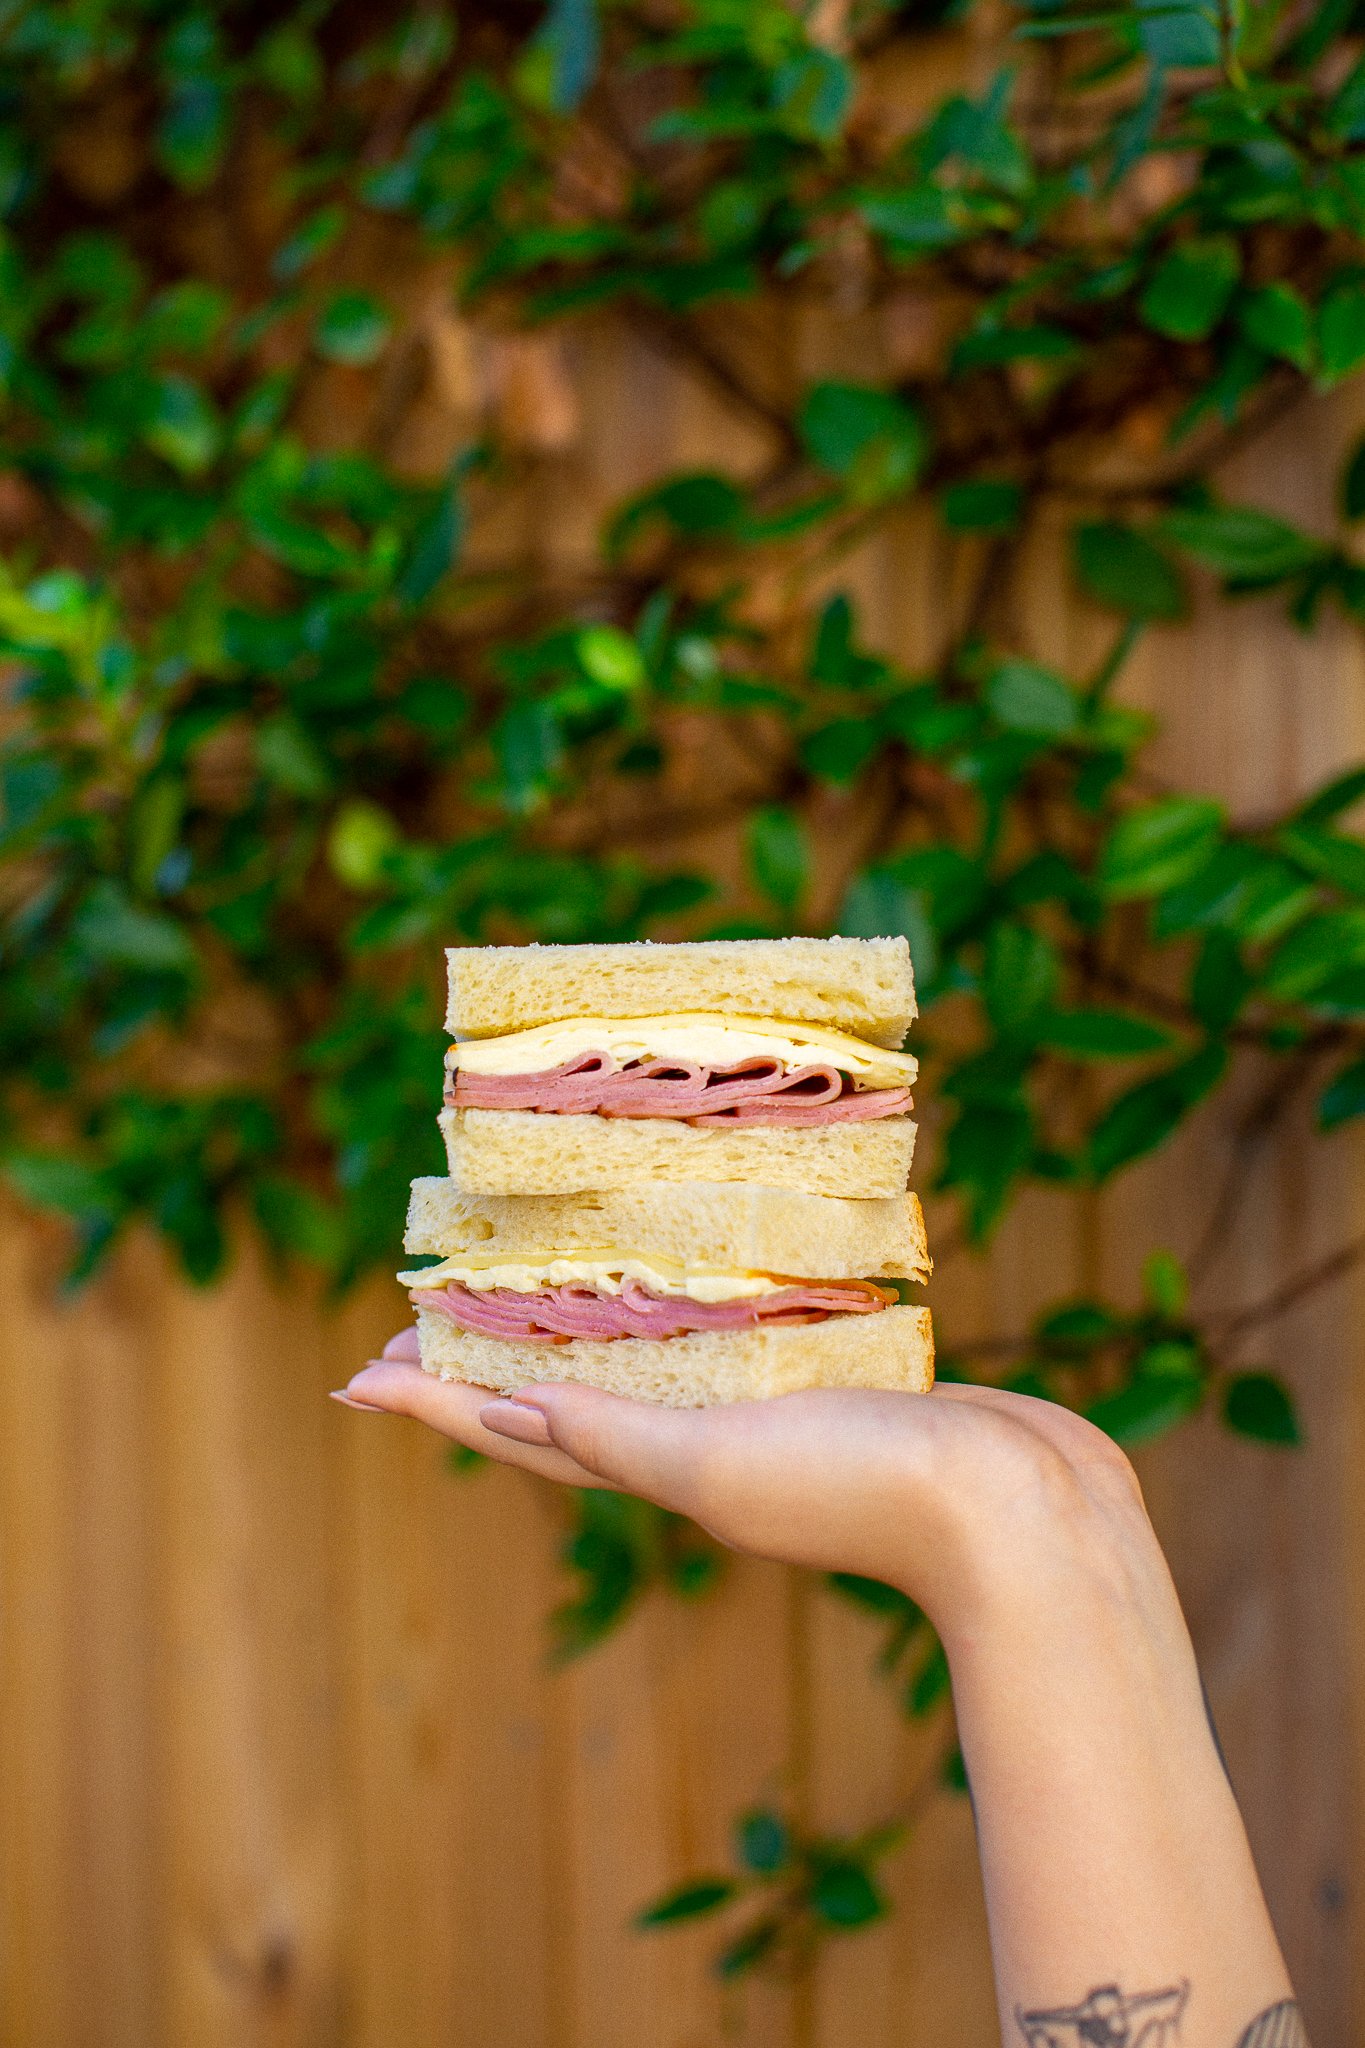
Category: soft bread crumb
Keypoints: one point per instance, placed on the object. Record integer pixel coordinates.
(892, 1350)
(865, 986)
(739, 1227)
(521, 1152)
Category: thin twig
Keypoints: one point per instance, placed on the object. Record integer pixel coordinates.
(1334, 1267)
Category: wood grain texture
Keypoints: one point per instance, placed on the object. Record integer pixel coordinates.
(284, 1764)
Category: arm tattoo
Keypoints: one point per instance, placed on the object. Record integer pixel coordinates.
(1110, 2018)
(1279, 2026)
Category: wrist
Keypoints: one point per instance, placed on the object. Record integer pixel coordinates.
(1044, 1555)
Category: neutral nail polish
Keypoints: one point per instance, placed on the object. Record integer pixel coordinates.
(350, 1401)
(513, 1418)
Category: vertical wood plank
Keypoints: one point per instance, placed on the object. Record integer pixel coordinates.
(248, 1673)
(79, 1875)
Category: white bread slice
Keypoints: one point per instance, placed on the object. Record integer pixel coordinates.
(892, 1349)
(520, 1152)
(860, 985)
(739, 1227)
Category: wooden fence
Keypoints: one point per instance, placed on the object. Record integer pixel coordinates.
(281, 1763)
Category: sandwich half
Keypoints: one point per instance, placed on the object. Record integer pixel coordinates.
(771, 1060)
(687, 1294)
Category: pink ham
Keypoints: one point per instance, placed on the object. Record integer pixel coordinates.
(757, 1091)
(552, 1315)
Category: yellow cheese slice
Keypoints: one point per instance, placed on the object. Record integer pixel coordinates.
(699, 1037)
(603, 1271)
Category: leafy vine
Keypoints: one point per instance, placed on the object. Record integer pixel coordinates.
(287, 710)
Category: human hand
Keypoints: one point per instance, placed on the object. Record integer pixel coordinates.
(1111, 1846)
(970, 1499)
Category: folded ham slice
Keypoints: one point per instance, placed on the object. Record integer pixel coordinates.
(757, 1091)
(552, 1315)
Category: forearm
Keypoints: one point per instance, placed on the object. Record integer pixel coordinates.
(1112, 1850)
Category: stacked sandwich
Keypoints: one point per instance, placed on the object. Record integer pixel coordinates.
(677, 1172)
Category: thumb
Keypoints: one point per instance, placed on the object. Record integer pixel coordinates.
(636, 1446)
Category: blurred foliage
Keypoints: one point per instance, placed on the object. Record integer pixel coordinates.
(284, 714)
(798, 1889)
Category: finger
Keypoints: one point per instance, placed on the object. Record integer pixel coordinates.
(639, 1447)
(404, 1346)
(453, 1408)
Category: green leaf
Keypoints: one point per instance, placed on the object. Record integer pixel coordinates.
(1189, 291)
(1177, 34)
(1314, 952)
(839, 751)
(1346, 115)
(688, 1902)
(1341, 329)
(192, 135)
(1220, 982)
(359, 845)
(748, 1949)
(1329, 855)
(929, 1685)
(987, 1146)
(1158, 846)
(915, 219)
(764, 1842)
(1027, 698)
(1336, 796)
(844, 1894)
(292, 760)
(1240, 542)
(991, 346)
(297, 1220)
(1278, 319)
(982, 505)
(1259, 1405)
(180, 424)
(52, 1181)
(1165, 1283)
(1145, 1409)
(1098, 1034)
(1020, 978)
(1076, 1327)
(813, 91)
(779, 855)
(875, 1595)
(111, 930)
(610, 657)
(1121, 567)
(869, 437)
(571, 38)
(702, 505)
(434, 548)
(1344, 1096)
(1142, 1119)
(880, 906)
(353, 329)
(310, 240)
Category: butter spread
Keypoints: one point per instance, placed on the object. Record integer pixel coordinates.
(693, 1037)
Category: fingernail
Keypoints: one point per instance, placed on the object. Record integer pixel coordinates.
(350, 1401)
(513, 1418)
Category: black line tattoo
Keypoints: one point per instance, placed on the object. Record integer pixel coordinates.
(1110, 2018)
(1279, 2026)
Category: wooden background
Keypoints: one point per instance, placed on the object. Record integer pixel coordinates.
(281, 1765)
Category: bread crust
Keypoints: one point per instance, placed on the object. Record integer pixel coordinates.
(521, 1152)
(891, 1350)
(731, 1224)
(865, 986)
